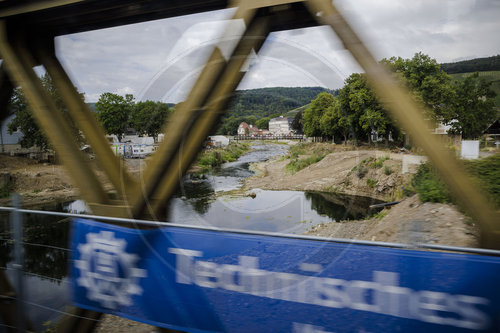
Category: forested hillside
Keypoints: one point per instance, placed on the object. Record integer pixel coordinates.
(473, 65)
(268, 101)
(489, 76)
(258, 106)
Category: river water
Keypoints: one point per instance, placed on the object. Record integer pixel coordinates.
(205, 202)
(208, 202)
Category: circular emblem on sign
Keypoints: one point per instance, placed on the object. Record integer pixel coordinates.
(107, 271)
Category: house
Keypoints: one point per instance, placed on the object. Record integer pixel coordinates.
(131, 150)
(281, 126)
(132, 146)
(245, 129)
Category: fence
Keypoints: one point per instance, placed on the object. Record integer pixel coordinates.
(52, 259)
(271, 137)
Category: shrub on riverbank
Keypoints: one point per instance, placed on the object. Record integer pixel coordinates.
(314, 152)
(215, 157)
(298, 164)
(429, 186)
(485, 172)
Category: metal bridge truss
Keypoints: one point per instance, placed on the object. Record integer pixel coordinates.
(27, 31)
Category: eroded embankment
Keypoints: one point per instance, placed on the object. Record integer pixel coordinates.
(375, 174)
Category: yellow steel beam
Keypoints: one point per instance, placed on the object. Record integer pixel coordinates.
(409, 114)
(175, 129)
(18, 61)
(87, 123)
(6, 90)
(211, 111)
(35, 6)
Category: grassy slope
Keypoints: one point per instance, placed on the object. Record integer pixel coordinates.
(491, 76)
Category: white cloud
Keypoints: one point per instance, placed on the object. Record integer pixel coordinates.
(130, 59)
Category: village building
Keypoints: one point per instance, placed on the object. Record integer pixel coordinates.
(242, 129)
(218, 141)
(245, 129)
(280, 126)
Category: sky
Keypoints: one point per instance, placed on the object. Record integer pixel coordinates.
(159, 60)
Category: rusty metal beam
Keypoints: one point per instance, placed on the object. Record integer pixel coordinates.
(18, 61)
(27, 7)
(396, 99)
(6, 90)
(213, 109)
(182, 119)
(86, 122)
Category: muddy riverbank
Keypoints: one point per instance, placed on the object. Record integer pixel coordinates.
(347, 172)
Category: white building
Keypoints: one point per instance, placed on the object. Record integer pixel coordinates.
(280, 126)
(243, 129)
(219, 140)
(133, 146)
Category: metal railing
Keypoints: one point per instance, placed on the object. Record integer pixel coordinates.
(16, 228)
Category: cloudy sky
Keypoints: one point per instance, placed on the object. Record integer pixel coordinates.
(159, 60)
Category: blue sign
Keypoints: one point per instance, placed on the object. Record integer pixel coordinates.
(212, 281)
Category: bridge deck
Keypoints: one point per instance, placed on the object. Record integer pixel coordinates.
(71, 16)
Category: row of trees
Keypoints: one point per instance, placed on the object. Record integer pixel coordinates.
(467, 106)
(115, 113)
(473, 65)
(24, 121)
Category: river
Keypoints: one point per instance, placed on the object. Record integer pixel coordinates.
(210, 202)
(216, 201)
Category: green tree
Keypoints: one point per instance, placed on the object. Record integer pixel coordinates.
(262, 123)
(312, 115)
(149, 117)
(298, 121)
(473, 107)
(25, 122)
(113, 111)
(329, 119)
(334, 122)
(352, 105)
(427, 81)
(361, 110)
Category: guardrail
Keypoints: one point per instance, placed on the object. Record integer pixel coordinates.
(17, 265)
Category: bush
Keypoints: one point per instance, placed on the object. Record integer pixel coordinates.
(371, 182)
(299, 164)
(299, 149)
(428, 186)
(487, 173)
(361, 171)
(208, 160)
(215, 157)
(377, 163)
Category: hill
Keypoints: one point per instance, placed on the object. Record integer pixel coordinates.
(293, 113)
(489, 76)
(473, 65)
(270, 101)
